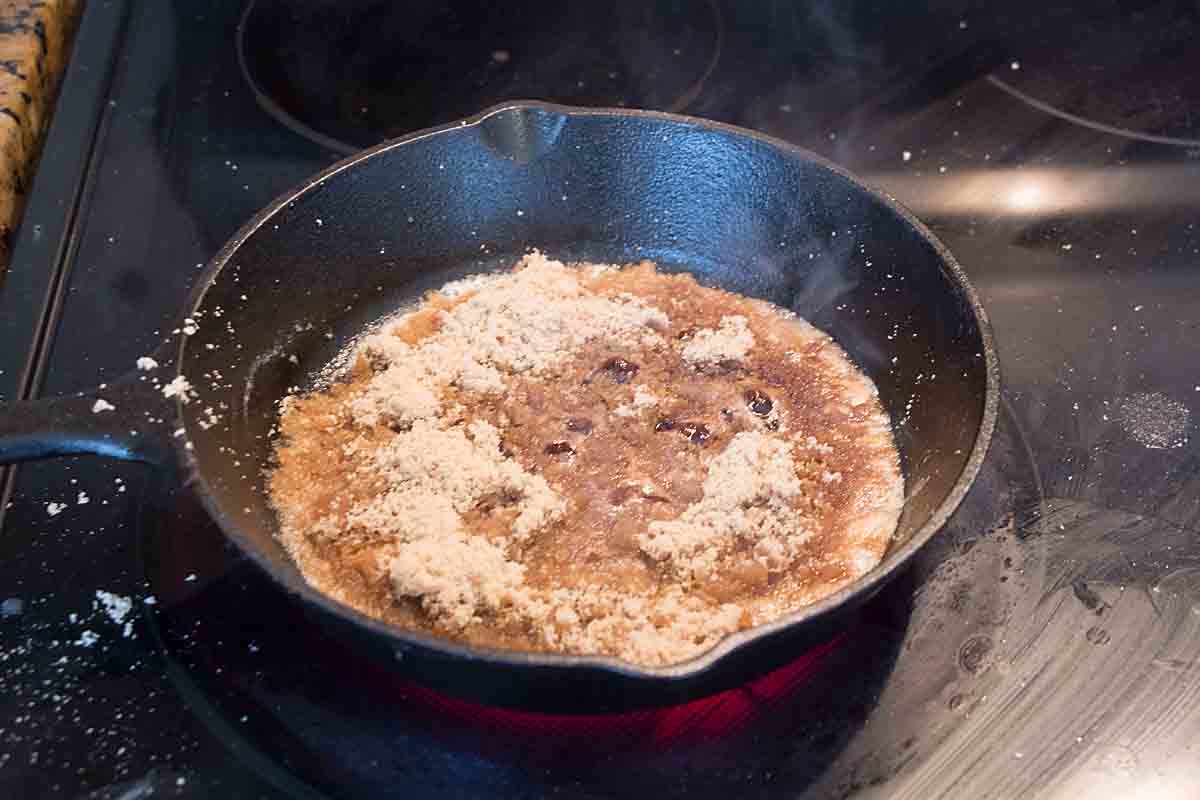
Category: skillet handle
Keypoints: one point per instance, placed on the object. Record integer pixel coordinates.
(128, 419)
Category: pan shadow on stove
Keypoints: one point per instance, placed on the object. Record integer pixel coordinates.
(303, 711)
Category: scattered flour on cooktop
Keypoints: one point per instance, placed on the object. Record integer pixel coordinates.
(115, 606)
(424, 465)
(178, 387)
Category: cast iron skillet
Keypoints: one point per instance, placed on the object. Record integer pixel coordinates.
(738, 209)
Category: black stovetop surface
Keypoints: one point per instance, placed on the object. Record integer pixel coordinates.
(1047, 644)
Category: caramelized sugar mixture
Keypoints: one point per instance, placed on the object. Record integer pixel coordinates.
(589, 460)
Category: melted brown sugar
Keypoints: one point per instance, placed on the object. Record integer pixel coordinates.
(642, 447)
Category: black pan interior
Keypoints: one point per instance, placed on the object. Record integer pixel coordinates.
(740, 212)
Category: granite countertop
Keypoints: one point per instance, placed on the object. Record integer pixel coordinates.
(35, 39)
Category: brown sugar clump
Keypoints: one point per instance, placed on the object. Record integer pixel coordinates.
(588, 459)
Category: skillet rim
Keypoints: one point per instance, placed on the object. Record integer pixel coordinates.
(893, 562)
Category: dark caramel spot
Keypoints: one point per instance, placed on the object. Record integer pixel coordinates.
(758, 402)
(664, 424)
(579, 425)
(493, 500)
(696, 432)
(559, 448)
(619, 370)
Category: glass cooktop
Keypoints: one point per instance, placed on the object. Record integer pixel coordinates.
(1046, 643)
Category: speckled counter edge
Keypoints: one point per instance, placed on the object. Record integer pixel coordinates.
(35, 38)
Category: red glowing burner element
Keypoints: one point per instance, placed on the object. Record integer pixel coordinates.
(706, 718)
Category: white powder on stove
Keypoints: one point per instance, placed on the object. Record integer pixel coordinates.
(146, 363)
(115, 606)
(178, 387)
